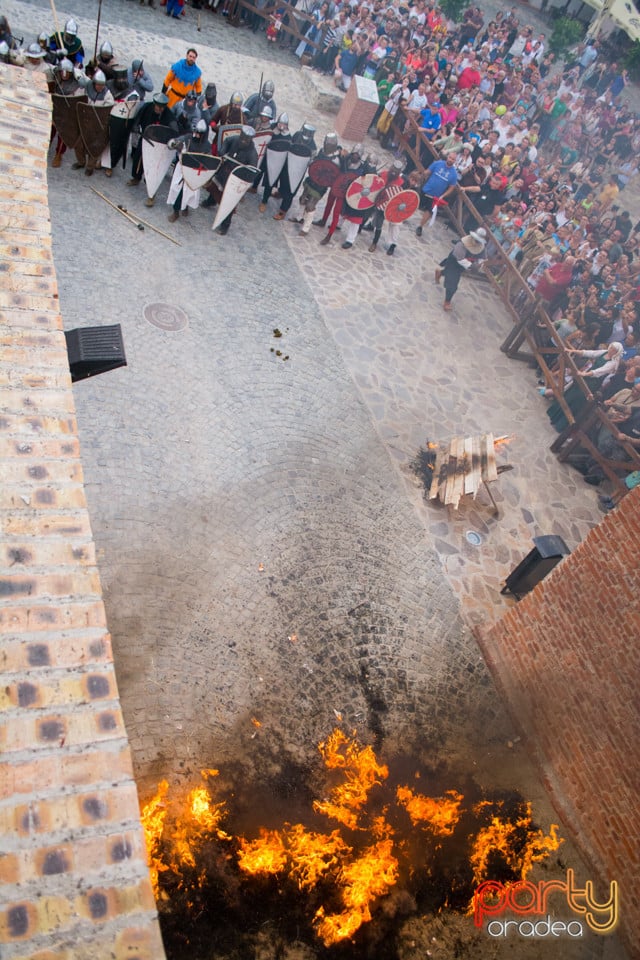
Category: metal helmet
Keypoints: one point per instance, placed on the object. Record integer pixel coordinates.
(398, 165)
(66, 66)
(357, 149)
(161, 99)
(34, 51)
(43, 38)
(136, 65)
(267, 112)
(247, 132)
(268, 89)
(201, 126)
(372, 161)
(308, 131)
(283, 120)
(330, 142)
(71, 28)
(236, 98)
(211, 93)
(99, 77)
(106, 50)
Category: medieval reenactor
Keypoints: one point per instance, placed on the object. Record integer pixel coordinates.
(255, 104)
(69, 45)
(156, 111)
(97, 94)
(188, 113)
(208, 103)
(181, 196)
(66, 85)
(351, 167)
(312, 190)
(230, 114)
(238, 150)
(139, 79)
(183, 76)
(303, 148)
(393, 179)
(105, 61)
(279, 143)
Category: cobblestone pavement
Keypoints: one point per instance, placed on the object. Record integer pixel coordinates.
(265, 550)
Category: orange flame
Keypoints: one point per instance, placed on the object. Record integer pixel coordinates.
(501, 441)
(361, 881)
(199, 818)
(305, 855)
(153, 816)
(440, 815)
(361, 771)
(517, 842)
(314, 859)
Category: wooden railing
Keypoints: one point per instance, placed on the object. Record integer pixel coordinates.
(289, 23)
(531, 326)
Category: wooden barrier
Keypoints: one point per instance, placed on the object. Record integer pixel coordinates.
(532, 326)
(290, 18)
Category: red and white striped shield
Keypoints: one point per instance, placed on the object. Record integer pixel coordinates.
(400, 207)
(362, 193)
(391, 190)
(238, 182)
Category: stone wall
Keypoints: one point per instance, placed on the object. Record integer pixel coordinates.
(567, 659)
(73, 875)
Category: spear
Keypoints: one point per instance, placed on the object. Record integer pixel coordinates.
(95, 49)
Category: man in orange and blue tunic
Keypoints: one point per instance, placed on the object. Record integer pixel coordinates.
(183, 77)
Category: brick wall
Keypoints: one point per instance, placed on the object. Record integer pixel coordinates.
(567, 659)
(73, 875)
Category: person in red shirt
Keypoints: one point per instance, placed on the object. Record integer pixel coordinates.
(470, 76)
(555, 279)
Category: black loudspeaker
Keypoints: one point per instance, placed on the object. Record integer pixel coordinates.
(547, 552)
(94, 350)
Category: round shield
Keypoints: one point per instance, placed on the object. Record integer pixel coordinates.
(323, 172)
(402, 206)
(361, 194)
(385, 195)
(342, 183)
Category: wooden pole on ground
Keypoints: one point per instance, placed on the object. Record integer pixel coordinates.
(140, 224)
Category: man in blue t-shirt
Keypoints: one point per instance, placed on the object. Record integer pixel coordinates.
(430, 120)
(441, 181)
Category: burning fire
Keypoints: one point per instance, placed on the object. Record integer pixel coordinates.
(361, 772)
(441, 816)
(515, 841)
(344, 872)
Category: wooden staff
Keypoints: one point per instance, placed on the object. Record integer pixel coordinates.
(140, 224)
(55, 22)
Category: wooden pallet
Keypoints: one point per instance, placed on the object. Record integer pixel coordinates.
(461, 467)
